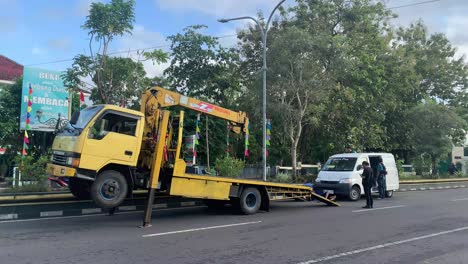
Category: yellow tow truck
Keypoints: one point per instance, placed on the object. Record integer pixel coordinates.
(109, 151)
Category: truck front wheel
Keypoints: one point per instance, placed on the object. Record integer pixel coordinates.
(109, 190)
(79, 188)
(250, 200)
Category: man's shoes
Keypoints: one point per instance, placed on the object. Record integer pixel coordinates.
(366, 207)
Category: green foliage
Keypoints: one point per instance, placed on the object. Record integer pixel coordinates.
(200, 67)
(434, 128)
(283, 178)
(33, 168)
(229, 166)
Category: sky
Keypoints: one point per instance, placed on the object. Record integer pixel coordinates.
(35, 33)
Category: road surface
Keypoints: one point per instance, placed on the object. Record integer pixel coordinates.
(412, 227)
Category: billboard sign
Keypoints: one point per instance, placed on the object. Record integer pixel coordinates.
(49, 98)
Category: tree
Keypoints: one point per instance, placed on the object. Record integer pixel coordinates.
(435, 128)
(201, 68)
(115, 79)
(441, 73)
(299, 84)
(10, 107)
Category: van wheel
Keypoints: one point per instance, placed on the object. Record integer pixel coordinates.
(250, 200)
(110, 189)
(79, 188)
(355, 193)
(389, 194)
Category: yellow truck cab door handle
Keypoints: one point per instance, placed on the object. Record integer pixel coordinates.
(128, 153)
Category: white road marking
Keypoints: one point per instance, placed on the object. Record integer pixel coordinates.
(200, 229)
(380, 208)
(460, 199)
(383, 246)
(79, 216)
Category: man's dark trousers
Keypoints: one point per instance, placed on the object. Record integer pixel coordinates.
(367, 192)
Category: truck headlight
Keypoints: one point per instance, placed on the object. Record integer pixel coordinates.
(345, 180)
(318, 180)
(74, 162)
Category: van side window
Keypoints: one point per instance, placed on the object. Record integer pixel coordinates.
(113, 122)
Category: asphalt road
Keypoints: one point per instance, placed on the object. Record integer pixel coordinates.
(412, 227)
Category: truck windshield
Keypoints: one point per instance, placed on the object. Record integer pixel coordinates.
(85, 116)
(340, 164)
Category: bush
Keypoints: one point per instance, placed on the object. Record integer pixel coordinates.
(33, 170)
(229, 167)
(283, 178)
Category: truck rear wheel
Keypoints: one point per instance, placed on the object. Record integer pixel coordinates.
(110, 189)
(250, 200)
(80, 188)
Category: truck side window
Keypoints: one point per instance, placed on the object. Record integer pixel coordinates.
(112, 122)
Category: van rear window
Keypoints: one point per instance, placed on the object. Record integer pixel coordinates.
(340, 164)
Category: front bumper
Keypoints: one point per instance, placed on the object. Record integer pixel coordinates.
(338, 188)
(60, 171)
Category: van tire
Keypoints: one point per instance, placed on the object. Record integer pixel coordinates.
(250, 200)
(80, 188)
(389, 194)
(109, 189)
(354, 193)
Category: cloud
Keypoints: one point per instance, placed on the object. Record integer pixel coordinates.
(218, 8)
(38, 51)
(143, 39)
(63, 44)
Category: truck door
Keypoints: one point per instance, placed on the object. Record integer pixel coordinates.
(112, 138)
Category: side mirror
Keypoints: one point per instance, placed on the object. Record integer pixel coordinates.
(359, 167)
(74, 118)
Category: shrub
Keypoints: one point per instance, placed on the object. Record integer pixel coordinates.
(283, 178)
(33, 170)
(229, 167)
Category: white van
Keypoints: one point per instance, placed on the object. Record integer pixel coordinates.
(341, 174)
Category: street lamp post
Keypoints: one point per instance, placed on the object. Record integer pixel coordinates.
(264, 31)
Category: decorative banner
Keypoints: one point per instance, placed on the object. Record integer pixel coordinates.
(247, 133)
(50, 99)
(197, 136)
(28, 121)
(268, 135)
(81, 99)
(228, 127)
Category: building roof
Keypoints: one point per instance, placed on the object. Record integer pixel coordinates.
(9, 69)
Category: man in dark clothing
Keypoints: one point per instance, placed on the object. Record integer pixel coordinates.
(381, 179)
(367, 181)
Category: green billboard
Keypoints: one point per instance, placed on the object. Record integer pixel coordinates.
(48, 100)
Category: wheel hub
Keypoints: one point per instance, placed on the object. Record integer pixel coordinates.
(251, 200)
(110, 189)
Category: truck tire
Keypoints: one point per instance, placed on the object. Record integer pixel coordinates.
(80, 188)
(250, 200)
(354, 193)
(109, 189)
(389, 194)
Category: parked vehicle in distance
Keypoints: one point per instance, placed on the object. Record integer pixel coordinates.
(341, 174)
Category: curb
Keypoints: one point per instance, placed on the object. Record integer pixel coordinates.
(434, 188)
(434, 181)
(35, 211)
